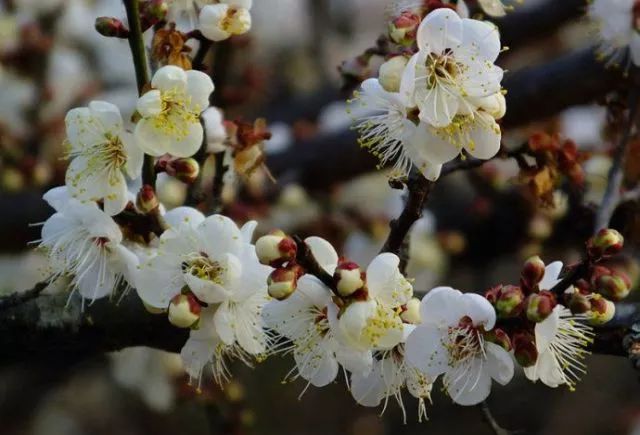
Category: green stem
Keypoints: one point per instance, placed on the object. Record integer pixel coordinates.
(136, 43)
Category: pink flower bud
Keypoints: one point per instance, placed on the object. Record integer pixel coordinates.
(184, 310)
(348, 278)
(147, 200)
(111, 27)
(184, 169)
(602, 310)
(605, 243)
(152, 12)
(524, 348)
(615, 286)
(532, 273)
(403, 28)
(540, 305)
(578, 302)
(510, 301)
(500, 337)
(276, 249)
(284, 281)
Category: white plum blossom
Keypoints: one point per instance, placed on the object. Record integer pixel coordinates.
(617, 28)
(450, 342)
(212, 258)
(171, 111)
(102, 153)
(375, 324)
(389, 375)
(83, 241)
(226, 18)
(215, 131)
(303, 318)
(385, 130)
(561, 341)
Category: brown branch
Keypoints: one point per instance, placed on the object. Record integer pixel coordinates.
(307, 260)
(418, 191)
(16, 299)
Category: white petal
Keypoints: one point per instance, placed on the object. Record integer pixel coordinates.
(438, 105)
(195, 355)
(207, 291)
(183, 215)
(220, 236)
(210, 20)
(480, 310)
(199, 88)
(108, 115)
(485, 138)
(150, 103)
(482, 37)
(82, 129)
(317, 364)
(551, 275)
(382, 277)
(313, 291)
(441, 29)
(369, 390)
(117, 198)
(57, 197)
(223, 320)
(441, 307)
(324, 253)
(151, 140)
(247, 231)
(425, 351)
(499, 363)
(169, 78)
(546, 330)
(429, 147)
(158, 281)
(188, 145)
(469, 387)
(549, 371)
(135, 156)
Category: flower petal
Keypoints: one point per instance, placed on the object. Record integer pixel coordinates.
(199, 88)
(440, 30)
(170, 78)
(499, 363)
(425, 351)
(324, 253)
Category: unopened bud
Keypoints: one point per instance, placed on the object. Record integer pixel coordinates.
(391, 72)
(540, 305)
(348, 278)
(184, 311)
(147, 200)
(602, 310)
(276, 249)
(532, 272)
(605, 243)
(411, 312)
(185, 170)
(403, 29)
(111, 27)
(578, 303)
(510, 301)
(524, 348)
(152, 12)
(492, 294)
(283, 281)
(500, 337)
(615, 286)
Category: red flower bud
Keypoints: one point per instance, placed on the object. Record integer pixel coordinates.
(510, 301)
(540, 305)
(524, 348)
(276, 249)
(532, 273)
(605, 243)
(500, 337)
(147, 200)
(348, 278)
(111, 27)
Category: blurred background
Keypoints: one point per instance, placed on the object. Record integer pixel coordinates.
(478, 228)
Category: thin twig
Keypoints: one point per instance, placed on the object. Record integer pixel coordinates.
(419, 188)
(616, 174)
(307, 260)
(136, 43)
(577, 272)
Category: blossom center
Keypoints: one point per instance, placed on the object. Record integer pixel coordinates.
(464, 342)
(203, 267)
(441, 67)
(176, 115)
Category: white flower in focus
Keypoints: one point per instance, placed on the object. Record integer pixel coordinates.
(213, 259)
(454, 65)
(388, 377)
(82, 240)
(102, 152)
(303, 319)
(450, 342)
(617, 28)
(375, 324)
(385, 130)
(171, 112)
(561, 342)
(224, 19)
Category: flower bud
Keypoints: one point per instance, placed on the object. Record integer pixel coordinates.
(348, 278)
(284, 281)
(391, 72)
(602, 310)
(185, 170)
(492, 294)
(184, 310)
(605, 243)
(403, 28)
(577, 302)
(220, 21)
(152, 12)
(147, 200)
(500, 337)
(276, 249)
(510, 301)
(540, 305)
(524, 348)
(532, 272)
(615, 286)
(411, 312)
(111, 27)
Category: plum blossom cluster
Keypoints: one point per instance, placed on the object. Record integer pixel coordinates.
(437, 97)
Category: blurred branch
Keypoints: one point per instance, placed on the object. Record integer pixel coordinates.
(534, 94)
(16, 299)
